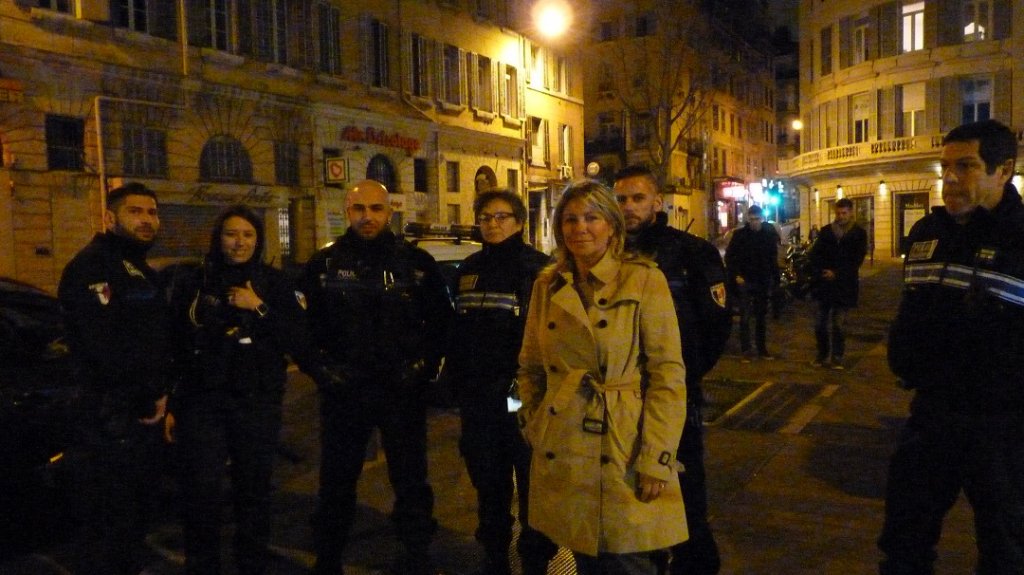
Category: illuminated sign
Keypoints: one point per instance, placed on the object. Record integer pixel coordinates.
(731, 191)
(380, 138)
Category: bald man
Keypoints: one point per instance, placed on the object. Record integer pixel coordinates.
(380, 309)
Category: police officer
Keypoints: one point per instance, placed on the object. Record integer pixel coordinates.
(116, 318)
(493, 293)
(380, 309)
(696, 279)
(957, 341)
(235, 318)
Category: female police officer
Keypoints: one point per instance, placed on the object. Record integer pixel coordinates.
(235, 318)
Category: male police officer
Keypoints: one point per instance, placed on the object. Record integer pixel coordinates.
(380, 309)
(958, 340)
(117, 323)
(696, 279)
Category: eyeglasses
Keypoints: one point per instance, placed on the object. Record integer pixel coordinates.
(500, 217)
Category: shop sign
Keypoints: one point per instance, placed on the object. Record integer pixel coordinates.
(212, 194)
(731, 191)
(336, 170)
(380, 138)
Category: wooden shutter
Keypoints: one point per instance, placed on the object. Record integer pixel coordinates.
(1002, 96)
(887, 19)
(949, 103)
(1002, 19)
(845, 42)
(933, 105)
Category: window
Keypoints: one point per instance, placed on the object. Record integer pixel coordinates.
(452, 74)
(286, 163)
(564, 145)
(452, 173)
(860, 117)
(977, 20)
(645, 25)
(641, 129)
(419, 174)
(608, 31)
(860, 43)
(65, 143)
(454, 213)
(975, 100)
(209, 24)
(376, 54)
(144, 151)
(608, 126)
(270, 29)
(714, 118)
(910, 118)
(537, 73)
(58, 5)
(512, 179)
(329, 23)
(380, 169)
(560, 81)
(225, 159)
(129, 14)
(419, 53)
(510, 91)
(538, 142)
(483, 88)
(284, 232)
(826, 50)
(913, 26)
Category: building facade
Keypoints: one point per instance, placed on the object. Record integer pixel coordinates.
(677, 87)
(279, 104)
(880, 83)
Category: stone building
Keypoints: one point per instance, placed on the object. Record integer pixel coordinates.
(279, 104)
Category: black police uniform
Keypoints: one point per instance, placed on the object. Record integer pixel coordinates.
(494, 288)
(958, 340)
(228, 402)
(697, 281)
(753, 255)
(380, 309)
(116, 318)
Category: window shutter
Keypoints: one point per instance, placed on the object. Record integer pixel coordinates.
(366, 48)
(528, 144)
(199, 26)
(384, 56)
(932, 105)
(873, 117)
(408, 63)
(502, 86)
(520, 111)
(164, 23)
(949, 103)
(843, 126)
(845, 40)
(1002, 19)
(495, 88)
(436, 51)
(473, 79)
(888, 114)
(887, 16)
(1002, 96)
(463, 88)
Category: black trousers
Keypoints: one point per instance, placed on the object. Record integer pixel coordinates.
(494, 449)
(941, 451)
(219, 433)
(699, 554)
(753, 306)
(348, 417)
(116, 479)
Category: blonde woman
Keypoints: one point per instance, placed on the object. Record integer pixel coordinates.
(604, 394)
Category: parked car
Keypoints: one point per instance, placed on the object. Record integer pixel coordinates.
(37, 396)
(449, 245)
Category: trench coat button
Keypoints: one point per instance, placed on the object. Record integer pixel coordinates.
(551, 410)
(551, 325)
(550, 455)
(553, 368)
(605, 459)
(603, 323)
(602, 301)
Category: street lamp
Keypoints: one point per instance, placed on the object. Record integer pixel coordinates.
(552, 17)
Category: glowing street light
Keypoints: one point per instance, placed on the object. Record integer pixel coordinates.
(552, 17)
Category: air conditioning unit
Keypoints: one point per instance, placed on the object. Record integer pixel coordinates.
(565, 172)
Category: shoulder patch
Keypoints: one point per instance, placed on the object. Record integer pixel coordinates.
(132, 270)
(922, 251)
(718, 294)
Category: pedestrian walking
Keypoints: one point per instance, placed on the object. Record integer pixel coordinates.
(380, 309)
(752, 262)
(835, 260)
(604, 394)
(696, 278)
(234, 320)
(493, 297)
(957, 341)
(117, 320)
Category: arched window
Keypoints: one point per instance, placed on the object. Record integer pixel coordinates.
(225, 159)
(382, 170)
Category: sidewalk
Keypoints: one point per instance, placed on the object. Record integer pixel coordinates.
(796, 470)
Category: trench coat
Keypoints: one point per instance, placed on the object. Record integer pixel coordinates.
(582, 369)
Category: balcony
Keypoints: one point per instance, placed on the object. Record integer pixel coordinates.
(867, 153)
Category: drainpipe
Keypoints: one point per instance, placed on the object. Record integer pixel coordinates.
(183, 35)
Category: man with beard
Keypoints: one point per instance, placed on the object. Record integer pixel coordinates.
(696, 279)
(379, 307)
(957, 341)
(116, 322)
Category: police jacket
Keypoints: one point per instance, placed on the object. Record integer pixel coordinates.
(843, 256)
(219, 347)
(117, 320)
(378, 306)
(494, 288)
(696, 278)
(753, 255)
(959, 331)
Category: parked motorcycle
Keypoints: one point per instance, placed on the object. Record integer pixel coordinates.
(795, 278)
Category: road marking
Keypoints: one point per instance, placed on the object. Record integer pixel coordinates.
(808, 411)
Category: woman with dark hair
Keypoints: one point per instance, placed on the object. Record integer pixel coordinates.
(235, 318)
(604, 394)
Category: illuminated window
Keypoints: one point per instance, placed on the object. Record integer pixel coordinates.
(913, 27)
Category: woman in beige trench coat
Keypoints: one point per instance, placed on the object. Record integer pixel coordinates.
(603, 394)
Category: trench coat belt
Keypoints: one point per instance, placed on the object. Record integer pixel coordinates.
(595, 418)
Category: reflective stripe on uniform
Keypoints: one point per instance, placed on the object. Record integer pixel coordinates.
(1005, 287)
(486, 300)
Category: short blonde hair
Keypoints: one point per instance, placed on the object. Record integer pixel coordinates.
(599, 197)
